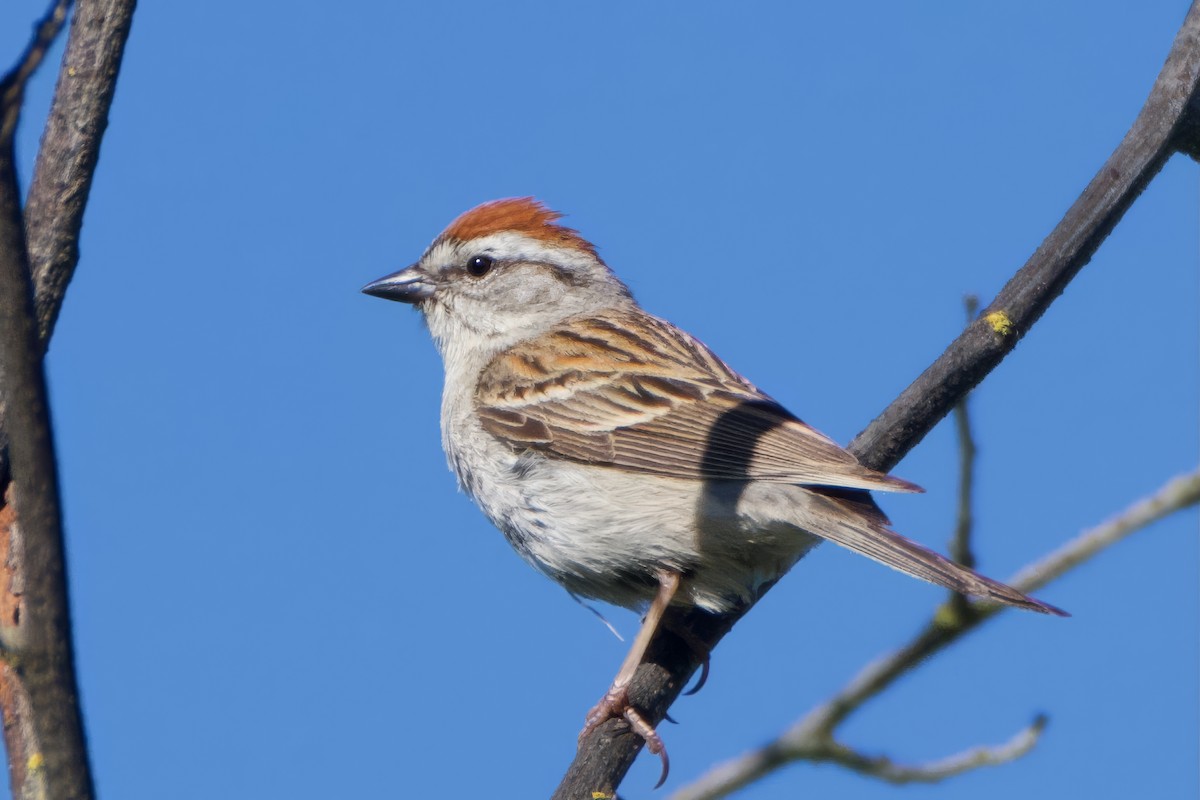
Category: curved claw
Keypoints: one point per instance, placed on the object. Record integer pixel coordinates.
(703, 679)
(670, 719)
(615, 705)
(654, 742)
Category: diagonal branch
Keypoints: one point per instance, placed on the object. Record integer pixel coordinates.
(70, 149)
(812, 738)
(1166, 123)
(66, 162)
(1158, 131)
(1176, 494)
(38, 693)
(38, 689)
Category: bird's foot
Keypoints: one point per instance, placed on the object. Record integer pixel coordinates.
(615, 705)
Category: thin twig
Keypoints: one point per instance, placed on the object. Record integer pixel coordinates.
(960, 543)
(812, 737)
(1178, 493)
(38, 689)
(1163, 126)
(885, 769)
(12, 86)
(726, 779)
(936, 771)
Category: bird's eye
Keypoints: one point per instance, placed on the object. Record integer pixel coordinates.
(480, 266)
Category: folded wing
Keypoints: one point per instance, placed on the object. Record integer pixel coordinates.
(636, 393)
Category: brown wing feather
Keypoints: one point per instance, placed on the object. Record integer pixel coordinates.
(627, 390)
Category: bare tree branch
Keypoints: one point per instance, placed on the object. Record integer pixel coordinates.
(936, 771)
(1158, 131)
(812, 738)
(728, 778)
(12, 86)
(1065, 251)
(1178, 493)
(43, 725)
(66, 162)
(70, 149)
(38, 695)
(1166, 123)
(960, 544)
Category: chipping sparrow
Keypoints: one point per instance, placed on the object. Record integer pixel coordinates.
(615, 452)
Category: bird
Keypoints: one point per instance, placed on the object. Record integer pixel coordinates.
(620, 456)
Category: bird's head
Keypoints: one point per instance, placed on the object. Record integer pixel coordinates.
(503, 272)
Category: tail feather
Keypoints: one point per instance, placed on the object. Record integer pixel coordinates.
(856, 523)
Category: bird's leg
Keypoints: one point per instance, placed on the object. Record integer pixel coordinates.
(615, 702)
(616, 699)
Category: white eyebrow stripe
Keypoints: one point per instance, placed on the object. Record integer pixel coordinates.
(512, 246)
(507, 246)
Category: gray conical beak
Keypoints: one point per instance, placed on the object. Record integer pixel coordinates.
(409, 285)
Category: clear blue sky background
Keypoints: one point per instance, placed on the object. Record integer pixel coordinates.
(278, 591)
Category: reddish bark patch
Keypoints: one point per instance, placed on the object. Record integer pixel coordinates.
(10, 600)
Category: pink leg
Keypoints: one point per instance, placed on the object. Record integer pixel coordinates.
(615, 702)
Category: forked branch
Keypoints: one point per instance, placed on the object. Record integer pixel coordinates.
(813, 738)
(43, 728)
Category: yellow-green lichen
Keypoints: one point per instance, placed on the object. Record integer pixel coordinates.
(1000, 322)
(947, 616)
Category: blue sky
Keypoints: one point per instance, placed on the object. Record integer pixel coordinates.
(278, 591)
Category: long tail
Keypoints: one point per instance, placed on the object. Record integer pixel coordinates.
(852, 520)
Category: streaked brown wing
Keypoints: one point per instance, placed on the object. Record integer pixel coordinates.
(628, 390)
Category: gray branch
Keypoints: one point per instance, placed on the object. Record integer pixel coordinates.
(43, 727)
(70, 150)
(1168, 122)
(38, 690)
(1161, 128)
(885, 769)
(812, 738)
(960, 543)
(66, 163)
